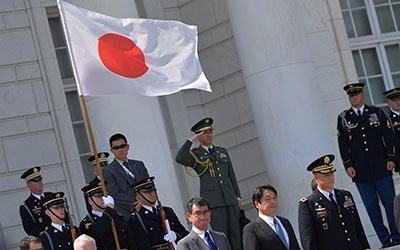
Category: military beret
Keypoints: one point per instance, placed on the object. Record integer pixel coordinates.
(204, 124)
(354, 88)
(103, 158)
(144, 185)
(95, 189)
(392, 93)
(32, 174)
(323, 165)
(54, 200)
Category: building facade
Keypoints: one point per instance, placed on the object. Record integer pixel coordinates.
(276, 69)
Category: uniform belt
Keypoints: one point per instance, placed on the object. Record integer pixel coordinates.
(163, 246)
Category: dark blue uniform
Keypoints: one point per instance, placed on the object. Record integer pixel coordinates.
(394, 120)
(323, 225)
(34, 220)
(366, 143)
(52, 238)
(100, 229)
(146, 229)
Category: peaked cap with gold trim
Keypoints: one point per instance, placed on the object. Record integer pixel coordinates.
(354, 87)
(32, 174)
(54, 200)
(103, 158)
(202, 125)
(392, 93)
(94, 189)
(144, 185)
(322, 165)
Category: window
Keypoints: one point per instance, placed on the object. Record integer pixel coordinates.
(71, 92)
(373, 29)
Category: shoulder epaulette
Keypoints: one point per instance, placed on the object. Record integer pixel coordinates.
(304, 199)
(343, 112)
(22, 204)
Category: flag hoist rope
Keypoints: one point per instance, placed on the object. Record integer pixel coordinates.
(98, 168)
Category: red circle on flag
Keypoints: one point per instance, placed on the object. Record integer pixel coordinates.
(122, 56)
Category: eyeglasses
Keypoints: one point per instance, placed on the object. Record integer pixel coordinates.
(120, 146)
(199, 213)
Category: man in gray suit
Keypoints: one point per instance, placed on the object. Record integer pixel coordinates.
(201, 237)
(218, 183)
(268, 231)
(122, 173)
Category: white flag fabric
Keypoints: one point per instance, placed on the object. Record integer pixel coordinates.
(116, 56)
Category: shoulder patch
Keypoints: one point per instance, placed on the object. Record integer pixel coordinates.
(87, 225)
(304, 199)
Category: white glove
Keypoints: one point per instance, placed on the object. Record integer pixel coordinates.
(170, 237)
(108, 201)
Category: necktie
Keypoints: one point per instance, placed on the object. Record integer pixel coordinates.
(210, 242)
(128, 169)
(64, 229)
(279, 232)
(332, 200)
(155, 210)
(212, 151)
(359, 112)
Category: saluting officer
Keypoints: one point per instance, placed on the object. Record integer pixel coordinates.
(328, 218)
(366, 145)
(218, 182)
(34, 220)
(145, 227)
(97, 223)
(393, 99)
(58, 234)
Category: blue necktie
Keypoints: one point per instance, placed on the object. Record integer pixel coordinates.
(279, 232)
(210, 242)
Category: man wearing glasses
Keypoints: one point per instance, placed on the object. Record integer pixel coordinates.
(122, 173)
(201, 236)
(33, 218)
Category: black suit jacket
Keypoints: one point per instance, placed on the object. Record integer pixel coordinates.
(258, 235)
(366, 143)
(323, 225)
(119, 182)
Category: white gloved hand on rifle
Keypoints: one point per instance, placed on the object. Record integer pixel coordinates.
(108, 201)
(170, 237)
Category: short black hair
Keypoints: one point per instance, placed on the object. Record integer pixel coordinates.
(197, 201)
(116, 137)
(259, 192)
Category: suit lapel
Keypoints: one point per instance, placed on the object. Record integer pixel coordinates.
(122, 172)
(197, 241)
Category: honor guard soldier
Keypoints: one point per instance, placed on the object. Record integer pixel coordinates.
(366, 145)
(58, 235)
(393, 99)
(146, 227)
(328, 218)
(103, 161)
(34, 220)
(97, 223)
(218, 183)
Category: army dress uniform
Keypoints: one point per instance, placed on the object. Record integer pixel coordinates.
(57, 236)
(330, 225)
(99, 226)
(218, 183)
(394, 119)
(34, 220)
(147, 228)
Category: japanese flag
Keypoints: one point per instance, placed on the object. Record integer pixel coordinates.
(114, 56)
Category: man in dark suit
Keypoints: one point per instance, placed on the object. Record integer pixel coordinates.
(268, 231)
(146, 228)
(328, 218)
(121, 174)
(97, 223)
(201, 237)
(218, 183)
(34, 220)
(366, 144)
(58, 235)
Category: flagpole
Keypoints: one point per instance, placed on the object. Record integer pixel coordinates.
(98, 167)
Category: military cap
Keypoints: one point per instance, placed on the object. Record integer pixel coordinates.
(95, 189)
(354, 88)
(392, 93)
(322, 165)
(202, 125)
(54, 200)
(103, 158)
(144, 185)
(32, 174)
